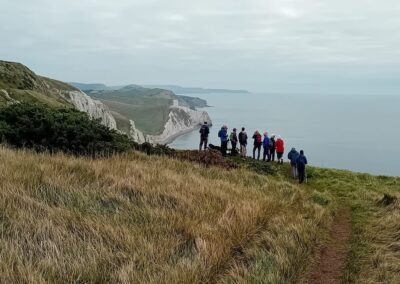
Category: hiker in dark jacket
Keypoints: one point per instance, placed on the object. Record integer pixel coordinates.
(272, 147)
(257, 144)
(223, 135)
(234, 139)
(243, 142)
(301, 163)
(292, 156)
(204, 131)
(266, 147)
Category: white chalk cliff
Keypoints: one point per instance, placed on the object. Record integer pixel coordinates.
(180, 121)
(136, 134)
(95, 109)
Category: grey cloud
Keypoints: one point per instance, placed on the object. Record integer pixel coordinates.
(263, 45)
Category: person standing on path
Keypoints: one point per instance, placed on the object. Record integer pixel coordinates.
(204, 131)
(280, 149)
(257, 144)
(243, 143)
(272, 147)
(301, 163)
(266, 147)
(292, 156)
(234, 139)
(223, 135)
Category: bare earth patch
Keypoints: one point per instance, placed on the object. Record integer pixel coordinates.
(331, 258)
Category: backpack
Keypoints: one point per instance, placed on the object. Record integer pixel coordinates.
(204, 131)
(242, 138)
(258, 138)
(272, 143)
(300, 162)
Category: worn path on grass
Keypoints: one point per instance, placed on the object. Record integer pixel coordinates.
(331, 258)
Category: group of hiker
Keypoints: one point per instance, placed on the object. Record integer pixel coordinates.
(272, 146)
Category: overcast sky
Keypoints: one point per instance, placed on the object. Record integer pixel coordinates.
(336, 46)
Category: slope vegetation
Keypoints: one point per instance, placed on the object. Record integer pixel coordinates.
(18, 83)
(140, 219)
(151, 219)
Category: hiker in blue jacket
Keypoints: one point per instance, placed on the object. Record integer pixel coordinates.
(223, 135)
(301, 166)
(266, 147)
(292, 156)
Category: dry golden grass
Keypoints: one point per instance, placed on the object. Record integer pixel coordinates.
(140, 219)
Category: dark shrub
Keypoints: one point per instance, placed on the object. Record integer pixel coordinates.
(50, 129)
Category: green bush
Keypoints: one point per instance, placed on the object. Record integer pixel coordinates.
(58, 129)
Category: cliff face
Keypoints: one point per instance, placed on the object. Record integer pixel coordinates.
(181, 120)
(19, 84)
(135, 133)
(95, 109)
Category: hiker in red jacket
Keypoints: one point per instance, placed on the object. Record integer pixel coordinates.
(257, 144)
(280, 149)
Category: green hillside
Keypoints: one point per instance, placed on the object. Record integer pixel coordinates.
(149, 108)
(17, 82)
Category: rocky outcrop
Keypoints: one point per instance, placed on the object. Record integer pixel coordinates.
(6, 97)
(95, 109)
(136, 134)
(181, 120)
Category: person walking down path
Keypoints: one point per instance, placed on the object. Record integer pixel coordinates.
(243, 142)
(234, 139)
(280, 149)
(301, 163)
(204, 131)
(266, 147)
(292, 156)
(257, 144)
(223, 135)
(272, 148)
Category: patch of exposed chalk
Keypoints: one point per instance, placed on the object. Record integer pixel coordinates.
(95, 109)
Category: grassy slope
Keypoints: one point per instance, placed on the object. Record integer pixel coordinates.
(140, 219)
(375, 246)
(149, 108)
(25, 86)
(145, 219)
(375, 251)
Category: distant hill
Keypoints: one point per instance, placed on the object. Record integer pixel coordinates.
(90, 87)
(193, 90)
(173, 88)
(148, 107)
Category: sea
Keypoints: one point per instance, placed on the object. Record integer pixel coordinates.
(354, 132)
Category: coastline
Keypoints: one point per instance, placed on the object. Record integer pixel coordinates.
(172, 138)
(182, 120)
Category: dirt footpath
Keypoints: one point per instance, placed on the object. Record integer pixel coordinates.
(331, 258)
